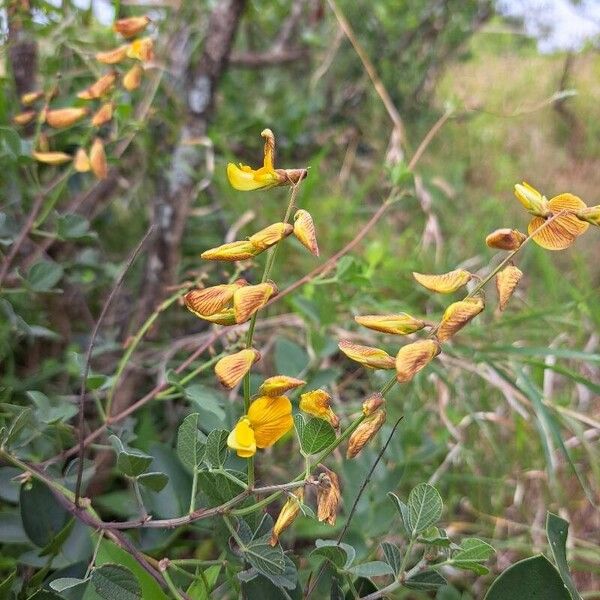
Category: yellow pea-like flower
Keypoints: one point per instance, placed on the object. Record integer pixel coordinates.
(374, 358)
(505, 239)
(114, 56)
(24, 118)
(242, 440)
(304, 230)
(289, 511)
(98, 162)
(507, 281)
(590, 215)
(142, 49)
(64, 117)
(250, 299)
(399, 324)
(133, 78)
(211, 300)
(445, 283)
(532, 200)
(234, 251)
(457, 315)
(563, 230)
(329, 496)
(365, 432)
(318, 404)
(52, 158)
(130, 26)
(103, 115)
(99, 88)
(414, 357)
(278, 385)
(230, 370)
(271, 235)
(82, 161)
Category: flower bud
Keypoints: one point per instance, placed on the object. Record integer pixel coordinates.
(532, 200)
(241, 250)
(506, 283)
(445, 283)
(457, 315)
(30, 98)
(52, 158)
(133, 78)
(64, 117)
(318, 404)
(114, 56)
(278, 385)
(131, 26)
(24, 118)
(304, 230)
(142, 49)
(230, 370)
(82, 162)
(399, 324)
(99, 88)
(374, 358)
(98, 162)
(590, 214)
(211, 300)
(372, 403)
(289, 512)
(328, 496)
(269, 236)
(365, 432)
(250, 299)
(414, 357)
(103, 115)
(505, 239)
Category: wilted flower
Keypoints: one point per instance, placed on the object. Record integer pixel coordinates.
(372, 403)
(304, 230)
(279, 384)
(445, 283)
(114, 56)
(131, 26)
(562, 231)
(230, 370)
(318, 404)
(268, 419)
(24, 118)
(98, 162)
(99, 87)
(103, 115)
(399, 324)
(532, 200)
(142, 49)
(211, 300)
(506, 283)
(374, 358)
(251, 298)
(269, 236)
(365, 432)
(246, 179)
(289, 511)
(505, 239)
(64, 117)
(457, 315)
(133, 78)
(414, 357)
(328, 496)
(51, 158)
(240, 250)
(82, 162)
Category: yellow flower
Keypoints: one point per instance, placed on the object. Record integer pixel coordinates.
(103, 115)
(445, 283)
(98, 162)
(231, 369)
(304, 230)
(82, 161)
(211, 300)
(268, 419)
(289, 511)
(279, 384)
(590, 215)
(246, 179)
(251, 298)
(142, 49)
(267, 237)
(64, 117)
(374, 358)
(372, 403)
(398, 324)
(52, 158)
(24, 118)
(457, 315)
(232, 252)
(532, 200)
(318, 404)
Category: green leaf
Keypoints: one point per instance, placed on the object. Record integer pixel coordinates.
(70, 588)
(290, 358)
(534, 578)
(424, 507)
(198, 591)
(205, 399)
(6, 585)
(434, 536)
(402, 509)
(314, 435)
(115, 582)
(336, 592)
(71, 226)
(156, 481)
(55, 544)
(218, 488)
(21, 421)
(472, 553)
(334, 554)
(216, 448)
(130, 462)
(266, 559)
(426, 580)
(374, 568)
(392, 556)
(557, 530)
(349, 551)
(43, 276)
(190, 442)
(51, 412)
(41, 526)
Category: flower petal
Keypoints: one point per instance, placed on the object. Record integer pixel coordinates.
(250, 299)
(267, 237)
(371, 357)
(318, 404)
(271, 418)
(399, 324)
(51, 158)
(445, 283)
(278, 385)
(506, 283)
(241, 439)
(239, 250)
(98, 162)
(114, 56)
(64, 117)
(130, 26)
(243, 180)
(304, 230)
(231, 369)
(211, 300)
(414, 357)
(457, 315)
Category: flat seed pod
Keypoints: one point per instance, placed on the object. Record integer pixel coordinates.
(414, 357)
(230, 370)
(562, 231)
(249, 299)
(457, 315)
(445, 283)
(304, 230)
(399, 324)
(506, 283)
(374, 358)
